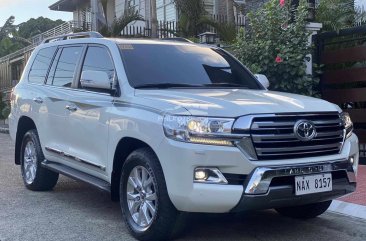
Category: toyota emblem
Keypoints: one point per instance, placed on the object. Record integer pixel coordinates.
(304, 130)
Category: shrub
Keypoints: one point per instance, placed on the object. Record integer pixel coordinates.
(2, 106)
(276, 45)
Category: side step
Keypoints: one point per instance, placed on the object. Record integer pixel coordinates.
(77, 175)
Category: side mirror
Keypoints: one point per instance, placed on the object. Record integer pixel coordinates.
(95, 80)
(263, 80)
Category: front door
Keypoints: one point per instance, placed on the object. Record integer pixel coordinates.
(88, 117)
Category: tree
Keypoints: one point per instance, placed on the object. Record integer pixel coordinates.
(13, 38)
(192, 17)
(8, 28)
(36, 26)
(336, 14)
(277, 45)
(9, 39)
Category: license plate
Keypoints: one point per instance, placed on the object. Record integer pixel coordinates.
(313, 184)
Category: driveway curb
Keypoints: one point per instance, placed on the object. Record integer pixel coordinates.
(348, 209)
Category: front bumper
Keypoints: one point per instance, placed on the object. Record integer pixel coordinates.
(274, 187)
(179, 161)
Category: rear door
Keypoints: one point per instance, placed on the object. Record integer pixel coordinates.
(88, 115)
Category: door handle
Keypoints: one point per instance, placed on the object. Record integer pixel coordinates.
(38, 100)
(71, 108)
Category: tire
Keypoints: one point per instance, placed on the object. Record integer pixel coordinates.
(35, 177)
(165, 222)
(305, 211)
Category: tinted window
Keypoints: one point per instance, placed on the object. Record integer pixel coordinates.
(196, 66)
(51, 74)
(41, 65)
(98, 59)
(66, 66)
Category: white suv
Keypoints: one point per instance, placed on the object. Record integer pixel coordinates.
(170, 127)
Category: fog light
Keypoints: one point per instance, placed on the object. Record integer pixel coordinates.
(200, 175)
(351, 160)
(210, 175)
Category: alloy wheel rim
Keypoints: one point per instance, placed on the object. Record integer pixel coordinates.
(30, 162)
(141, 196)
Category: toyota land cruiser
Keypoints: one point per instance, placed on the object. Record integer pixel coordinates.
(172, 127)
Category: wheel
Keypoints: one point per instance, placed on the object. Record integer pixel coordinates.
(146, 206)
(305, 211)
(35, 177)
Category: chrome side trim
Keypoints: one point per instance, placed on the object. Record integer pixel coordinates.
(261, 177)
(75, 158)
(119, 103)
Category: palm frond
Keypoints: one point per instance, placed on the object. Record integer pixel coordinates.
(130, 15)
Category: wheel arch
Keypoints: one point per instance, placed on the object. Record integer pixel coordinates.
(124, 148)
(24, 125)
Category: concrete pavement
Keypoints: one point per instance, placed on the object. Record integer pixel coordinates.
(76, 211)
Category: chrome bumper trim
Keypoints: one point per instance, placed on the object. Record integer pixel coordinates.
(261, 177)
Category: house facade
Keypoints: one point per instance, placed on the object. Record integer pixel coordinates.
(91, 12)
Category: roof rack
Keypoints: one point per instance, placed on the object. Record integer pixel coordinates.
(73, 36)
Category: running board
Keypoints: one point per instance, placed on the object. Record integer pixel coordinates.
(77, 175)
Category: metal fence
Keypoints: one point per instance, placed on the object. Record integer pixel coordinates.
(169, 29)
(65, 28)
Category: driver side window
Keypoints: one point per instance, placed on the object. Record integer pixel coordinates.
(98, 60)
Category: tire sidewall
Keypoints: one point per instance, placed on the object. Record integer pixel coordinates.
(30, 136)
(133, 161)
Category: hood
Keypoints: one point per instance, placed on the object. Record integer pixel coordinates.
(236, 102)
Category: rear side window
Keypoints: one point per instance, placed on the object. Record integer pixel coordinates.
(66, 66)
(41, 65)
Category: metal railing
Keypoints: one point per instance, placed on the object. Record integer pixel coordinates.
(65, 28)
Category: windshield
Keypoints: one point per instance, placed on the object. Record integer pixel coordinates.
(184, 66)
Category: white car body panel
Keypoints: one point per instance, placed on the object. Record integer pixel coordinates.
(93, 131)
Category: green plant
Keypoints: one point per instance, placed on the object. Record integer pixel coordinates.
(130, 15)
(276, 45)
(2, 107)
(5, 112)
(336, 14)
(192, 17)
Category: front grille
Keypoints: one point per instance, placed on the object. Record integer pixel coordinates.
(274, 138)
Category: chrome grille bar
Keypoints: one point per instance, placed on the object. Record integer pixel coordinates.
(273, 135)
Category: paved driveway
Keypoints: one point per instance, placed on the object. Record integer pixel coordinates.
(76, 211)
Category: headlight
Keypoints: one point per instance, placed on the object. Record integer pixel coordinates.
(347, 123)
(201, 130)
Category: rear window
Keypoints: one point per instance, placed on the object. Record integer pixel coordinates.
(190, 65)
(41, 65)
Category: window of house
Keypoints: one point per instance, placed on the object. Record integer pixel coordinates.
(66, 66)
(166, 10)
(98, 59)
(41, 65)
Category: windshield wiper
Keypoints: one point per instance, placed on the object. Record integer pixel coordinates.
(225, 85)
(165, 86)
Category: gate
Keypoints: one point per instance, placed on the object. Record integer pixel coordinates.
(343, 82)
